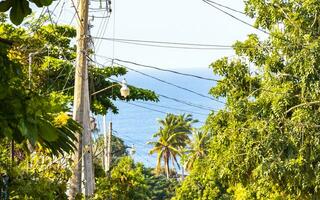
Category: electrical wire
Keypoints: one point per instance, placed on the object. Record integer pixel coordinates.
(172, 108)
(116, 133)
(227, 7)
(171, 84)
(77, 13)
(178, 47)
(163, 42)
(234, 17)
(165, 70)
(199, 106)
(104, 28)
(151, 109)
(61, 10)
(100, 17)
(164, 96)
(187, 103)
(113, 32)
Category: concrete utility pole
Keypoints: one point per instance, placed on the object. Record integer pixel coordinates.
(81, 110)
(105, 144)
(108, 152)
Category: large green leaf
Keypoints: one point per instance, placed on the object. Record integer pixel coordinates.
(20, 9)
(46, 2)
(38, 3)
(47, 131)
(28, 130)
(5, 5)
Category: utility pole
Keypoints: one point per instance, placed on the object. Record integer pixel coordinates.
(105, 144)
(108, 153)
(81, 110)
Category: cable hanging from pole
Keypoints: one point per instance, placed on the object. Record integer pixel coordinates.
(172, 84)
(199, 106)
(172, 108)
(234, 17)
(165, 70)
(227, 7)
(163, 42)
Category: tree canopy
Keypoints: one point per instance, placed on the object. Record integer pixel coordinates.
(53, 56)
(265, 143)
(172, 137)
(27, 116)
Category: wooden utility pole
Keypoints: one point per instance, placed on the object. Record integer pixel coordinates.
(108, 152)
(81, 110)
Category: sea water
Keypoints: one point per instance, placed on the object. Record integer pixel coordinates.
(136, 125)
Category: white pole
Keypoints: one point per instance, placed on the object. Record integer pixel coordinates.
(81, 110)
(109, 148)
(105, 144)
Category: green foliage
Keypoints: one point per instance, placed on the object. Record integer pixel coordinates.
(35, 176)
(19, 9)
(172, 138)
(30, 107)
(130, 181)
(25, 115)
(28, 185)
(197, 148)
(119, 149)
(53, 67)
(103, 100)
(159, 187)
(265, 143)
(126, 182)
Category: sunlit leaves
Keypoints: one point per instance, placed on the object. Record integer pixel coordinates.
(265, 143)
(28, 116)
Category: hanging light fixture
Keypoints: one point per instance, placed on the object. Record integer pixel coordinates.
(125, 91)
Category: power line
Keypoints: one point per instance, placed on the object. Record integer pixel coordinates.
(163, 42)
(62, 7)
(77, 13)
(170, 98)
(103, 27)
(187, 103)
(236, 18)
(151, 109)
(128, 138)
(155, 110)
(227, 7)
(161, 106)
(178, 47)
(99, 17)
(163, 81)
(172, 84)
(165, 70)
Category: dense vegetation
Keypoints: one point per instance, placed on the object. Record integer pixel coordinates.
(264, 144)
(34, 120)
(129, 181)
(172, 138)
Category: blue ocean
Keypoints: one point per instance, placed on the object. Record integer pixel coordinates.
(136, 124)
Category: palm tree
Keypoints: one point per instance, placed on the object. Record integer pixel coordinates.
(197, 148)
(172, 138)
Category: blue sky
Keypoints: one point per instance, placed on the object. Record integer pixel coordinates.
(190, 21)
(187, 21)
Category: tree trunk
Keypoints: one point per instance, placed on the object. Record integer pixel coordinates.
(167, 168)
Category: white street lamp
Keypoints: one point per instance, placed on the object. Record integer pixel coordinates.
(125, 91)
